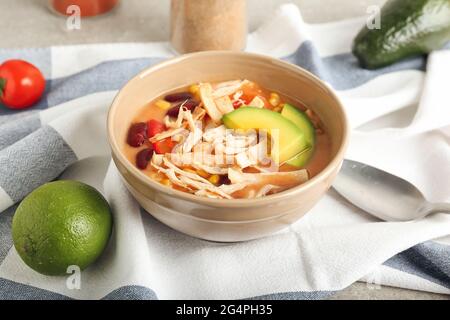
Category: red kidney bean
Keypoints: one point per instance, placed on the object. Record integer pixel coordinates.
(179, 96)
(189, 105)
(224, 180)
(137, 134)
(143, 158)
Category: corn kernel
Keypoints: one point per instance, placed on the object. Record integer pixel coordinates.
(277, 109)
(154, 175)
(166, 182)
(194, 89)
(214, 179)
(163, 105)
(203, 174)
(274, 99)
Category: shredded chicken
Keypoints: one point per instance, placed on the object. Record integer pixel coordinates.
(198, 114)
(203, 186)
(226, 84)
(210, 169)
(169, 123)
(228, 150)
(177, 127)
(232, 143)
(232, 188)
(216, 133)
(184, 173)
(228, 88)
(170, 173)
(187, 115)
(187, 180)
(178, 122)
(237, 101)
(240, 141)
(207, 194)
(237, 96)
(189, 159)
(157, 159)
(192, 139)
(265, 190)
(243, 160)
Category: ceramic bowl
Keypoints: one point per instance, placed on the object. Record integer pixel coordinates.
(222, 219)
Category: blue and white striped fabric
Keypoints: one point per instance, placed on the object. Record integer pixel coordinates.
(401, 121)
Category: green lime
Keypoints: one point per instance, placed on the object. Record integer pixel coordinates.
(61, 224)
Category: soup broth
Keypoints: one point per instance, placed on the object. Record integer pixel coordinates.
(228, 140)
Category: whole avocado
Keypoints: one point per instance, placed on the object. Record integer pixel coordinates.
(408, 28)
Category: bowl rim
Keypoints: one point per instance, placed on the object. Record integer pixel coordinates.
(230, 203)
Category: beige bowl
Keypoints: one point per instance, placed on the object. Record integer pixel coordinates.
(218, 219)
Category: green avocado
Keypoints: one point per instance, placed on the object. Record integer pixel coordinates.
(301, 120)
(408, 28)
(291, 138)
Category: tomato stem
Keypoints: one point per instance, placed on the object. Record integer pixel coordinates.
(2, 86)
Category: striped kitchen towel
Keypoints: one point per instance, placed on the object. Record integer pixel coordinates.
(401, 123)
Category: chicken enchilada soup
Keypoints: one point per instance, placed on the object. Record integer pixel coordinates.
(228, 140)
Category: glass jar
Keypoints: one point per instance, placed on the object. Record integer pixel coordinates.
(88, 8)
(199, 25)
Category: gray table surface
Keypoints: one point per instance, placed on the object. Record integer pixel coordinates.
(28, 23)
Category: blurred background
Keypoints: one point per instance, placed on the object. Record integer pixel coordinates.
(29, 23)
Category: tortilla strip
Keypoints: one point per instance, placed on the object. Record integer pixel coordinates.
(208, 102)
(166, 134)
(257, 102)
(224, 104)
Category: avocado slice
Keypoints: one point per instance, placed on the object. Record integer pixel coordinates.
(301, 120)
(408, 28)
(291, 139)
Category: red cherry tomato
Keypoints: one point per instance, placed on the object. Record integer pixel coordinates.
(154, 127)
(21, 84)
(164, 146)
